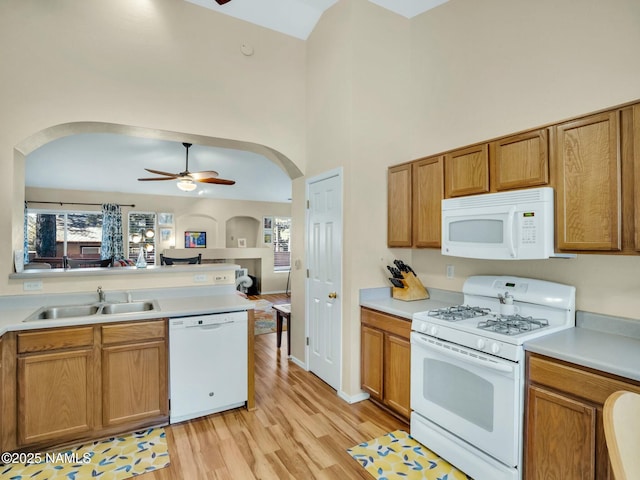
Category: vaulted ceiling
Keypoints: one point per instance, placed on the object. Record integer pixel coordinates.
(299, 17)
(119, 160)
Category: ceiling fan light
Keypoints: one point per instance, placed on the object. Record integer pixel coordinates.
(186, 185)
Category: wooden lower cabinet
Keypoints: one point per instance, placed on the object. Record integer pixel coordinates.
(56, 394)
(134, 372)
(564, 432)
(371, 361)
(76, 383)
(385, 360)
(134, 379)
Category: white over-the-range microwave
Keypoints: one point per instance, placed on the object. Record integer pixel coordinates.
(515, 225)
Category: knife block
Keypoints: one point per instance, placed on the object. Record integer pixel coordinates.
(413, 290)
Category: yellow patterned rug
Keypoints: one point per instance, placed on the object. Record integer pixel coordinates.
(115, 458)
(398, 456)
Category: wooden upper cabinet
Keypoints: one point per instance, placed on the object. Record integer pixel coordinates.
(588, 196)
(635, 155)
(520, 161)
(399, 206)
(466, 171)
(428, 192)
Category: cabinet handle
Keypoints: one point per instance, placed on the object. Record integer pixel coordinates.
(333, 295)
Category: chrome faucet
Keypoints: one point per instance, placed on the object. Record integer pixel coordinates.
(101, 295)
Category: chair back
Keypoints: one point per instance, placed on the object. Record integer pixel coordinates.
(622, 431)
(86, 262)
(188, 260)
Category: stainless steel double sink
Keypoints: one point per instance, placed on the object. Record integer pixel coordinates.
(100, 308)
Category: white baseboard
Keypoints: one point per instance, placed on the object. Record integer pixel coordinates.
(298, 362)
(353, 398)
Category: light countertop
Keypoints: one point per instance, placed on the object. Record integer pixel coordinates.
(380, 299)
(172, 302)
(608, 344)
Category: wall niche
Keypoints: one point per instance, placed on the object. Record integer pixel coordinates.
(242, 232)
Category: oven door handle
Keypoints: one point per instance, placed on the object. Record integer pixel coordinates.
(478, 360)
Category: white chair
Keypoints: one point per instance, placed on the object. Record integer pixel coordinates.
(622, 432)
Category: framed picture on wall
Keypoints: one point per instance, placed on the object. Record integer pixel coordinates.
(268, 238)
(195, 239)
(165, 219)
(165, 234)
(267, 223)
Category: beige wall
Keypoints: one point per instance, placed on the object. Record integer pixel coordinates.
(163, 65)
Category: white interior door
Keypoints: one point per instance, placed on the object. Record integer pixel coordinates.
(324, 261)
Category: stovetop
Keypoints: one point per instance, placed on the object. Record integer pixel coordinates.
(535, 308)
(513, 324)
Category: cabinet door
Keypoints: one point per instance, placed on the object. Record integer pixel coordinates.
(466, 171)
(588, 197)
(134, 382)
(397, 377)
(561, 437)
(56, 394)
(399, 206)
(428, 192)
(636, 169)
(371, 357)
(520, 161)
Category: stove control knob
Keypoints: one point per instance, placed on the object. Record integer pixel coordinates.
(495, 348)
(481, 343)
(433, 330)
(423, 327)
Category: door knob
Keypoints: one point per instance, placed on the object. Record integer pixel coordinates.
(333, 295)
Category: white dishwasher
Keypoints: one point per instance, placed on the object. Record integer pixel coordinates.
(207, 364)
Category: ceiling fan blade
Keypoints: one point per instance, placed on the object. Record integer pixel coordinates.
(222, 2)
(203, 174)
(159, 172)
(155, 179)
(219, 181)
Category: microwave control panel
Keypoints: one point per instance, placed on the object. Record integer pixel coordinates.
(528, 228)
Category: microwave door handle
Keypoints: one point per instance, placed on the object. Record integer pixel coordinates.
(510, 233)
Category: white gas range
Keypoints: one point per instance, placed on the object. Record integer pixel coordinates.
(467, 370)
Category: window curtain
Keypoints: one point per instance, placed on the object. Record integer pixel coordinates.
(26, 235)
(112, 242)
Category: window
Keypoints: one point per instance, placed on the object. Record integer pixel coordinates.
(281, 243)
(142, 234)
(52, 234)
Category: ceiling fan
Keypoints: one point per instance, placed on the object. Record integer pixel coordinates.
(222, 2)
(186, 179)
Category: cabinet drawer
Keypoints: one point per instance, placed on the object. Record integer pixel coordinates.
(132, 332)
(582, 383)
(388, 323)
(42, 340)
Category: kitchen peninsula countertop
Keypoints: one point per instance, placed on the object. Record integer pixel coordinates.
(172, 302)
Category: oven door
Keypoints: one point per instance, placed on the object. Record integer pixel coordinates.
(474, 396)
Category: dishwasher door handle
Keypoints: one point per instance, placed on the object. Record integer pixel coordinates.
(211, 326)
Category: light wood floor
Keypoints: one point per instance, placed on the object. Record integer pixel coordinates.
(300, 430)
(275, 298)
